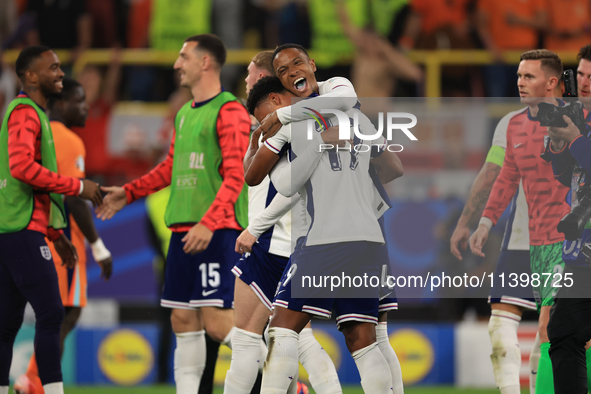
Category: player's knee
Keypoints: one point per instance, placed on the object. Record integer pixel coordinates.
(358, 335)
(218, 334)
(184, 321)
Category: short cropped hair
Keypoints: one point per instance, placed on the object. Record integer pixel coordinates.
(69, 86)
(211, 44)
(27, 56)
(261, 90)
(584, 53)
(283, 47)
(264, 60)
(549, 59)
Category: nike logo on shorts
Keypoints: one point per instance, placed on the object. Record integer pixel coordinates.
(206, 293)
(516, 145)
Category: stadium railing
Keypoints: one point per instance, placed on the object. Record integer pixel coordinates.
(432, 60)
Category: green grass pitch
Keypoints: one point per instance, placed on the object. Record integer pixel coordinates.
(346, 390)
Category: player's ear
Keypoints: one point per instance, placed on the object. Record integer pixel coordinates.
(273, 97)
(205, 62)
(31, 76)
(552, 82)
(313, 65)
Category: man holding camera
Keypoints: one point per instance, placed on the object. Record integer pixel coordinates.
(570, 318)
(538, 74)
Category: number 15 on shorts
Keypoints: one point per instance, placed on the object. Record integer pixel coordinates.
(210, 277)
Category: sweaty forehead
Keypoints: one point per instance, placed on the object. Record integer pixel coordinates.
(286, 56)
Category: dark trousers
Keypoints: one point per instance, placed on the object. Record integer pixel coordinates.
(27, 274)
(569, 329)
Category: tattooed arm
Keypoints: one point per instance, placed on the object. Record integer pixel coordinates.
(474, 206)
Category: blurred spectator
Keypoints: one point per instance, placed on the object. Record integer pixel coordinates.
(437, 24)
(569, 26)
(101, 94)
(105, 31)
(377, 63)
(163, 25)
(136, 159)
(138, 23)
(442, 24)
(141, 79)
(294, 23)
(329, 42)
(227, 25)
(8, 19)
(62, 24)
(171, 22)
(508, 25)
(8, 86)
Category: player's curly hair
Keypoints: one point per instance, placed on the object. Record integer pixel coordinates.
(261, 90)
(584, 53)
(549, 59)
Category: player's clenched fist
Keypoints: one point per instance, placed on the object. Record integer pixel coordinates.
(113, 202)
(478, 239)
(91, 191)
(244, 242)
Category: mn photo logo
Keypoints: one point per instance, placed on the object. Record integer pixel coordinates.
(318, 122)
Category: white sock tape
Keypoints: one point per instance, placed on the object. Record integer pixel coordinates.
(99, 250)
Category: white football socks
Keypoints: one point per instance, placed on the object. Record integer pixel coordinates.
(534, 359)
(228, 339)
(281, 367)
(321, 370)
(506, 355)
(373, 369)
(247, 358)
(189, 361)
(384, 344)
(54, 388)
(3, 389)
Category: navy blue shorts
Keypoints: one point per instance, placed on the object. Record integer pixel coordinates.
(350, 303)
(203, 279)
(262, 271)
(518, 262)
(25, 259)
